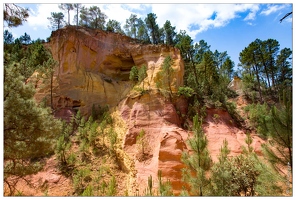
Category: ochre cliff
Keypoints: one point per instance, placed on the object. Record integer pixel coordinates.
(94, 69)
(94, 66)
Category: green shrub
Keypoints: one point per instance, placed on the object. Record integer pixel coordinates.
(78, 180)
(186, 91)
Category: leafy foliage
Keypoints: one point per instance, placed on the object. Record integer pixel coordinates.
(169, 32)
(134, 74)
(131, 25)
(138, 76)
(186, 91)
(25, 39)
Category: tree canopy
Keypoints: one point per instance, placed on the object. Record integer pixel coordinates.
(14, 15)
(56, 20)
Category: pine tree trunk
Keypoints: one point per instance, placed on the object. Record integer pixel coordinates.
(258, 80)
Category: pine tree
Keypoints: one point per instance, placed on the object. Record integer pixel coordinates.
(25, 39)
(77, 7)
(165, 75)
(63, 144)
(221, 175)
(29, 129)
(131, 26)
(84, 17)
(164, 188)
(284, 76)
(134, 74)
(7, 37)
(56, 20)
(97, 18)
(278, 128)
(142, 74)
(250, 60)
(198, 162)
(142, 33)
(169, 32)
(14, 15)
(114, 26)
(67, 7)
(152, 26)
(142, 143)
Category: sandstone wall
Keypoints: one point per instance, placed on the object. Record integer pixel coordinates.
(94, 67)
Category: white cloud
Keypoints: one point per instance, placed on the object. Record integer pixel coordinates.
(139, 7)
(253, 11)
(116, 12)
(272, 9)
(251, 24)
(184, 16)
(39, 17)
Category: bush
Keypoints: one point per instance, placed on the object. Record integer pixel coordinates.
(78, 180)
(186, 91)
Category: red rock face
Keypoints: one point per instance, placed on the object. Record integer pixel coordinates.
(166, 140)
(223, 127)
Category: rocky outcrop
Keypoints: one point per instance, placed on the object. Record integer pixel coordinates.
(94, 66)
(236, 85)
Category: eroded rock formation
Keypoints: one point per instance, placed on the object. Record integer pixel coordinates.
(94, 68)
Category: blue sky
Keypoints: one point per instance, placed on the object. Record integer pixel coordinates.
(226, 27)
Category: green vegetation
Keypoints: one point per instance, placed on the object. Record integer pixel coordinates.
(67, 7)
(164, 77)
(30, 130)
(265, 69)
(275, 124)
(138, 76)
(56, 20)
(142, 145)
(14, 15)
(198, 163)
(243, 175)
(164, 188)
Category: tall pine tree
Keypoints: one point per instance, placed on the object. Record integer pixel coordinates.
(198, 161)
(29, 129)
